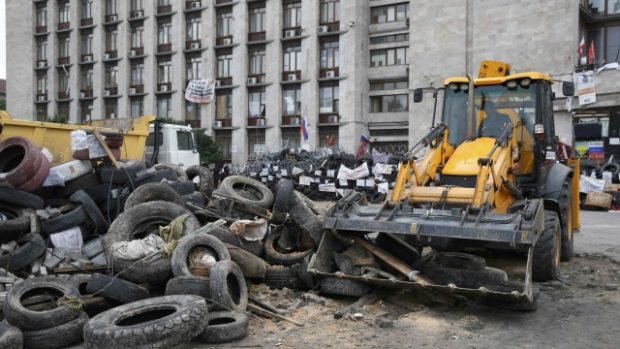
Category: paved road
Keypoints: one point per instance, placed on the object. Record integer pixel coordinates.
(600, 234)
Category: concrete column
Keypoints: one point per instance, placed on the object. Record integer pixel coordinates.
(240, 93)
(273, 74)
(99, 67)
(20, 101)
(52, 57)
(207, 111)
(124, 69)
(177, 37)
(310, 71)
(149, 76)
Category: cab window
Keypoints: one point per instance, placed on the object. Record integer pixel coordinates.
(185, 140)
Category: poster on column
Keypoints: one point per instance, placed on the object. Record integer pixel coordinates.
(585, 87)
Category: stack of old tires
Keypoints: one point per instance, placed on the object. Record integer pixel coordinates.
(22, 164)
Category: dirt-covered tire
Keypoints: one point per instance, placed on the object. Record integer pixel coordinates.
(284, 190)
(304, 214)
(251, 265)
(567, 238)
(115, 289)
(80, 281)
(56, 337)
(161, 322)
(109, 173)
(224, 327)
(92, 211)
(459, 260)
(30, 247)
(247, 191)
(144, 219)
(16, 223)
(227, 286)
(93, 247)
(225, 235)
(547, 250)
(466, 278)
(279, 276)
(176, 168)
(73, 218)
(28, 320)
(182, 187)
(153, 192)
(18, 198)
(343, 287)
(154, 271)
(10, 336)
(192, 285)
(185, 246)
(205, 176)
(273, 256)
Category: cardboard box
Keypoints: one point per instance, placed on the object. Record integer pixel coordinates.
(598, 199)
(611, 188)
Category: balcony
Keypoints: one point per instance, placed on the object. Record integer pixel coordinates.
(110, 19)
(64, 60)
(86, 93)
(164, 48)
(193, 5)
(195, 124)
(64, 25)
(291, 120)
(329, 118)
(291, 76)
(110, 91)
(291, 33)
(258, 36)
(256, 79)
(110, 55)
(136, 14)
(41, 64)
(224, 122)
(42, 97)
(327, 28)
(87, 58)
(192, 45)
(164, 10)
(224, 2)
(254, 121)
(42, 29)
(164, 87)
(136, 52)
(225, 81)
(224, 40)
(329, 73)
(86, 22)
(136, 89)
(63, 96)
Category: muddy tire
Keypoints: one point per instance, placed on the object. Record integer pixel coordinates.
(56, 337)
(547, 250)
(278, 276)
(30, 247)
(17, 223)
(80, 281)
(227, 287)
(152, 271)
(274, 256)
(224, 327)
(567, 240)
(108, 173)
(10, 336)
(153, 192)
(343, 287)
(18, 160)
(176, 168)
(181, 254)
(73, 218)
(284, 190)
(18, 198)
(92, 211)
(459, 260)
(28, 320)
(251, 265)
(225, 235)
(205, 176)
(115, 289)
(161, 322)
(189, 285)
(305, 214)
(247, 191)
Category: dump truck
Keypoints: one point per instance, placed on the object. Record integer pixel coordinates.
(481, 207)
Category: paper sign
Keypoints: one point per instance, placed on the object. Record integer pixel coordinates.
(69, 240)
(383, 187)
(270, 178)
(370, 183)
(327, 187)
(264, 172)
(305, 180)
(252, 174)
(343, 182)
(284, 172)
(317, 173)
(331, 173)
(359, 172)
(263, 179)
(585, 87)
(360, 183)
(614, 141)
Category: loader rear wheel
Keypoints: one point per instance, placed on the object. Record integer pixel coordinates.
(567, 238)
(547, 250)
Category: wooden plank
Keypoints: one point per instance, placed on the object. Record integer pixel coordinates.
(106, 149)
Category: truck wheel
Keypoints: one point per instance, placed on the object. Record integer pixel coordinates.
(547, 250)
(567, 239)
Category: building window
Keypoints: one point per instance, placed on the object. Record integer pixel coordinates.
(389, 13)
(137, 71)
(111, 73)
(292, 58)
(223, 139)
(136, 37)
(291, 101)
(137, 107)
(41, 50)
(256, 139)
(165, 72)
(87, 44)
(137, 5)
(389, 104)
(257, 19)
(42, 84)
(193, 68)
(328, 99)
(329, 54)
(64, 110)
(164, 107)
(223, 105)
(87, 9)
(42, 112)
(86, 107)
(389, 85)
(606, 41)
(194, 29)
(192, 114)
(291, 138)
(64, 12)
(42, 16)
(110, 8)
(224, 22)
(387, 57)
(328, 137)
(164, 33)
(292, 15)
(257, 60)
(223, 65)
(163, 3)
(111, 108)
(256, 103)
(111, 40)
(87, 79)
(386, 39)
(63, 46)
(330, 11)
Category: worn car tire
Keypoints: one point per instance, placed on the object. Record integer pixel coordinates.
(247, 191)
(278, 276)
(18, 160)
(56, 337)
(10, 336)
(73, 218)
(225, 235)
(459, 260)
(81, 281)
(153, 192)
(30, 247)
(176, 168)
(152, 271)
(157, 177)
(547, 250)
(28, 320)
(17, 222)
(205, 176)
(42, 172)
(188, 243)
(109, 173)
(92, 211)
(182, 187)
(115, 289)
(251, 265)
(93, 247)
(284, 190)
(174, 320)
(273, 256)
(343, 287)
(191, 285)
(18, 198)
(227, 287)
(224, 327)
(144, 219)
(303, 214)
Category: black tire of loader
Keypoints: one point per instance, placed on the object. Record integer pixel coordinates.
(567, 239)
(546, 258)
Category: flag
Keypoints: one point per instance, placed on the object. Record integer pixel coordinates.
(364, 141)
(582, 45)
(591, 53)
(304, 129)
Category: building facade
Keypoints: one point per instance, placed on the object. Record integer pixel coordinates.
(344, 68)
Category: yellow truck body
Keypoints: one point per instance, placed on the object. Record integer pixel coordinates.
(56, 137)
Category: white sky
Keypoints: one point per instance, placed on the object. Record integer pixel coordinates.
(2, 41)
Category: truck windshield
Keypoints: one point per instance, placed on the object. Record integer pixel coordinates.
(516, 103)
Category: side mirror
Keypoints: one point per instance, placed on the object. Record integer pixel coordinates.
(568, 89)
(418, 95)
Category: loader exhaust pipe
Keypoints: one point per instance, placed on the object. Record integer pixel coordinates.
(471, 120)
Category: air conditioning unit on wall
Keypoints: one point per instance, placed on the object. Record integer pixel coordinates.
(107, 93)
(217, 124)
(332, 119)
(112, 18)
(290, 33)
(330, 74)
(82, 95)
(107, 56)
(195, 45)
(218, 83)
(261, 122)
(292, 77)
(295, 121)
(41, 98)
(42, 64)
(133, 52)
(323, 29)
(163, 88)
(88, 58)
(132, 91)
(195, 4)
(227, 41)
(252, 81)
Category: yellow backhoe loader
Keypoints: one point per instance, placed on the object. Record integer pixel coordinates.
(480, 207)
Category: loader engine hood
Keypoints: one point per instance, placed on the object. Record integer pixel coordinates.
(464, 160)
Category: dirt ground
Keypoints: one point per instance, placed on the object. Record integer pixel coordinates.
(581, 310)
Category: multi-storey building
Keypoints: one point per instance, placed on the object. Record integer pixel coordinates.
(346, 67)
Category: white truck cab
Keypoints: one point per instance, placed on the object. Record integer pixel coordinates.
(177, 145)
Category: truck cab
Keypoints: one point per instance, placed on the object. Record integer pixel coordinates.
(177, 145)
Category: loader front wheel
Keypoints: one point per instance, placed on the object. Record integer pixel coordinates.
(567, 237)
(547, 250)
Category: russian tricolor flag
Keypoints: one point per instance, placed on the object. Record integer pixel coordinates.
(304, 129)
